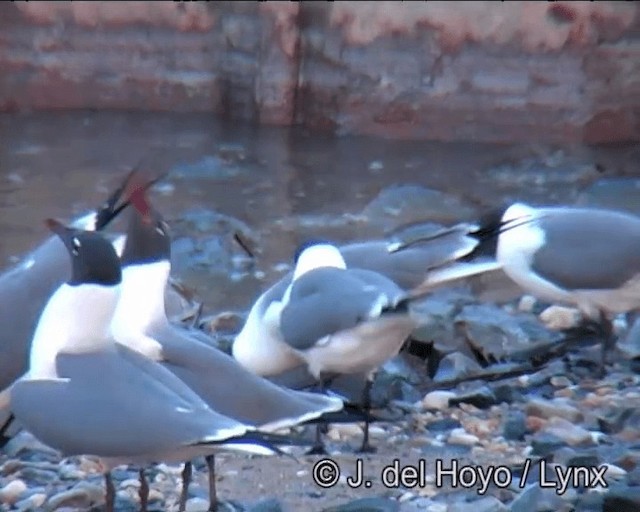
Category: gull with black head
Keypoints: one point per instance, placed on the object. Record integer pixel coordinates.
(586, 257)
(25, 289)
(86, 394)
(140, 323)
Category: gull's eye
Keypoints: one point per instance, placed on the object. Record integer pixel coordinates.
(76, 245)
(162, 228)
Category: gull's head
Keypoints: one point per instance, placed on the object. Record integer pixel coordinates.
(148, 236)
(316, 253)
(93, 258)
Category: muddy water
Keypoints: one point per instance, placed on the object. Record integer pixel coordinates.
(282, 184)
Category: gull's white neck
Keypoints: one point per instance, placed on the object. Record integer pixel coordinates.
(141, 304)
(318, 256)
(75, 320)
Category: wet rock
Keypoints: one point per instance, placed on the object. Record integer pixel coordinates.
(496, 334)
(485, 504)
(406, 367)
(433, 507)
(269, 505)
(462, 437)
(614, 473)
(11, 492)
(628, 460)
(506, 393)
(205, 252)
(620, 325)
(83, 495)
(227, 322)
(560, 381)
(340, 432)
(633, 477)
(515, 426)
(544, 444)
(570, 457)
(558, 408)
(399, 379)
(621, 194)
(205, 221)
(572, 434)
(443, 425)
(403, 204)
(557, 168)
(435, 315)
(527, 303)
(32, 503)
(483, 428)
(622, 499)
(70, 472)
(38, 476)
(629, 346)
(155, 495)
(590, 502)
(204, 239)
(438, 400)
(482, 398)
(23, 443)
(535, 424)
(367, 505)
(456, 366)
(178, 299)
(559, 318)
(197, 505)
(539, 499)
(209, 166)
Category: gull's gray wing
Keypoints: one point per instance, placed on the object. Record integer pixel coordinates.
(274, 293)
(409, 267)
(115, 404)
(24, 291)
(230, 389)
(328, 300)
(588, 249)
(348, 386)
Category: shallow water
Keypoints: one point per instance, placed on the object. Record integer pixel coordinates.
(284, 184)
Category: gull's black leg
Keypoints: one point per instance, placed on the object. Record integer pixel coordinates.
(143, 493)
(318, 446)
(366, 446)
(213, 498)
(186, 480)
(110, 494)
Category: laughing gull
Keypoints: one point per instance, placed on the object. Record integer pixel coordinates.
(86, 394)
(260, 346)
(25, 289)
(333, 319)
(140, 323)
(586, 257)
(417, 269)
